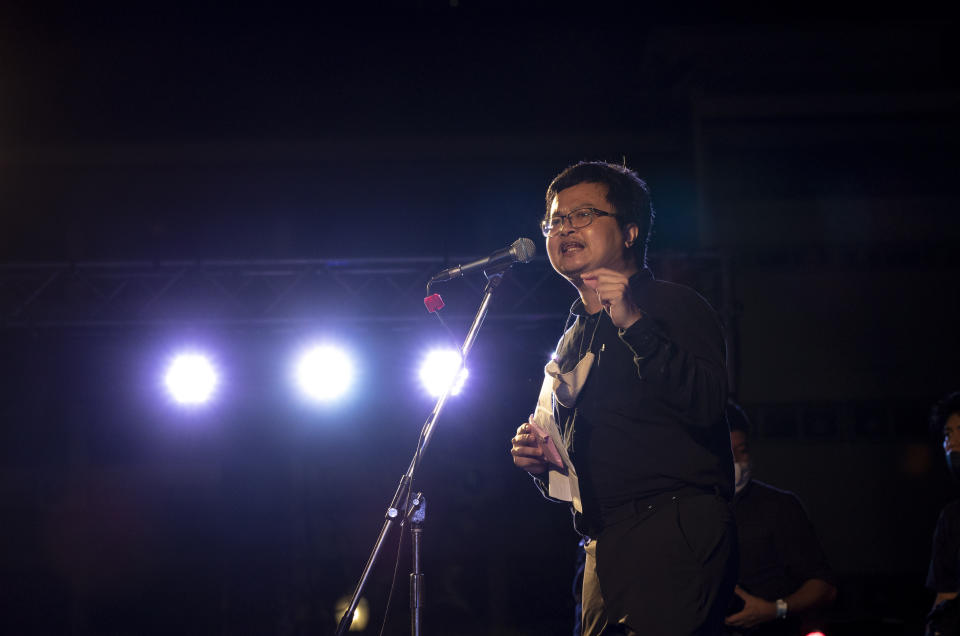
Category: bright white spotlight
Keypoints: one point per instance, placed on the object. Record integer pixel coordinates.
(325, 373)
(191, 379)
(440, 369)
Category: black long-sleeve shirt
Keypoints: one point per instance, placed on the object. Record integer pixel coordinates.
(650, 418)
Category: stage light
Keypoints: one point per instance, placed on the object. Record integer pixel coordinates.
(191, 379)
(815, 634)
(325, 373)
(439, 369)
(361, 615)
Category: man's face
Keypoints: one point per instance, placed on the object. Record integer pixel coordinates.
(600, 244)
(951, 433)
(741, 451)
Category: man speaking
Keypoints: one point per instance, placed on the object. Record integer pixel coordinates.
(629, 426)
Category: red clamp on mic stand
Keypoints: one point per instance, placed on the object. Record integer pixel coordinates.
(433, 303)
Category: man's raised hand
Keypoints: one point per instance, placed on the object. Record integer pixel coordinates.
(613, 293)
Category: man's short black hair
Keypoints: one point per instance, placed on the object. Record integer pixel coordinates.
(942, 411)
(627, 192)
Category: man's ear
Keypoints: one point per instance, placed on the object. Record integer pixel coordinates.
(630, 232)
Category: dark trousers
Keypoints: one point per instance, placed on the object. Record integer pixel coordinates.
(668, 569)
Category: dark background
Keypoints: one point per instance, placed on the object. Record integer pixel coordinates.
(804, 172)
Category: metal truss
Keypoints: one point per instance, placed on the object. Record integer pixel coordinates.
(362, 291)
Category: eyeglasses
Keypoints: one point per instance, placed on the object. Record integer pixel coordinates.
(581, 217)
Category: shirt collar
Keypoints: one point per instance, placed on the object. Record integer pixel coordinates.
(638, 281)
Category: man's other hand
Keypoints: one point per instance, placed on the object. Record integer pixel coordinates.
(755, 611)
(527, 453)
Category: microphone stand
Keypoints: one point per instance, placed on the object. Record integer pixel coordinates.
(398, 505)
(417, 515)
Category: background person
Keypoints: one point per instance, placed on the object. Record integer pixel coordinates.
(943, 575)
(784, 576)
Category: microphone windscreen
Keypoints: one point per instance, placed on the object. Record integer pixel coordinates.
(523, 249)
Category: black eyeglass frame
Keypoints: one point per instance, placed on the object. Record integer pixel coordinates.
(547, 228)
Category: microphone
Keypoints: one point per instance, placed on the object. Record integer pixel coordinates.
(521, 251)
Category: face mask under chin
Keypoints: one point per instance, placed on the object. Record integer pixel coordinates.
(742, 472)
(567, 386)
